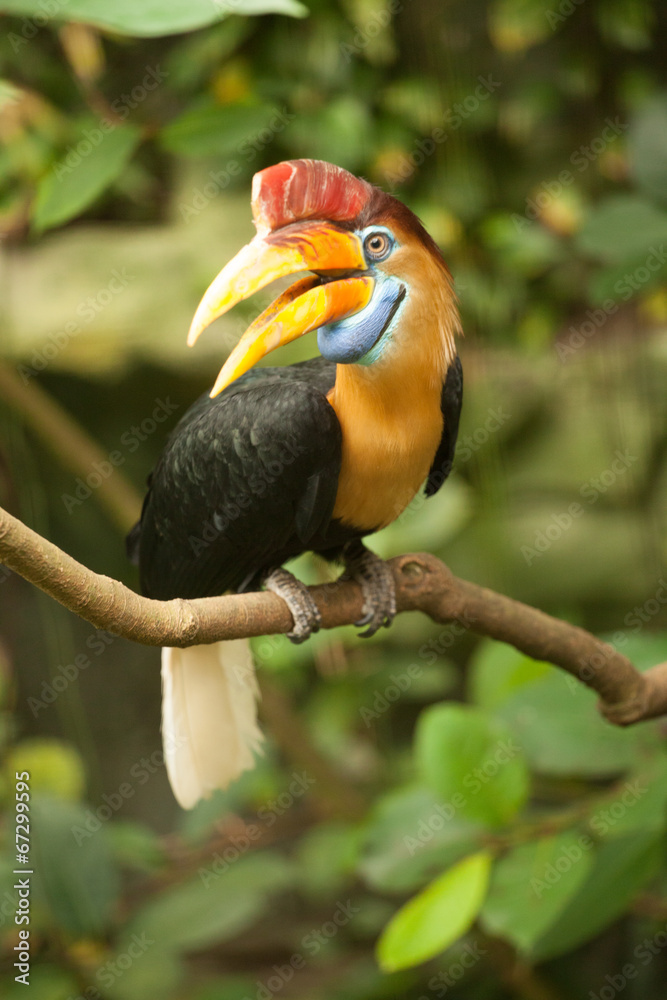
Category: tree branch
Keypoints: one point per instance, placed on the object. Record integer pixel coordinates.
(423, 583)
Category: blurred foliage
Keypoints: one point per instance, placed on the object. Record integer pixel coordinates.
(459, 820)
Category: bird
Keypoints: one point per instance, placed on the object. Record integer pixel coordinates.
(313, 456)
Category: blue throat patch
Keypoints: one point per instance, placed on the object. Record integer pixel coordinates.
(361, 337)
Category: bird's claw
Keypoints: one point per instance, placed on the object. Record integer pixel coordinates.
(305, 613)
(377, 586)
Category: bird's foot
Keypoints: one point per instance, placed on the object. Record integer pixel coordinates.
(304, 611)
(377, 585)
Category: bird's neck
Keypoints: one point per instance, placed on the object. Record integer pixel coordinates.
(391, 420)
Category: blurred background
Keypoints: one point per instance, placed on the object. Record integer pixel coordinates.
(531, 138)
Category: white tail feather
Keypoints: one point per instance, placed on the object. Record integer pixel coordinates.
(209, 717)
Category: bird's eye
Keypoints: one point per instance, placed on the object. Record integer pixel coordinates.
(377, 245)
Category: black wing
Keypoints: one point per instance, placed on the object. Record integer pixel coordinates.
(246, 481)
(450, 404)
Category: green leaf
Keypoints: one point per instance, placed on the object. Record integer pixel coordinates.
(471, 762)
(647, 146)
(153, 972)
(621, 869)
(624, 227)
(497, 670)
(74, 869)
(152, 18)
(516, 25)
(410, 837)
(229, 988)
(428, 525)
(557, 723)
(434, 681)
(530, 250)
(618, 283)
(136, 846)
(191, 63)
(225, 899)
(86, 170)
(437, 916)
(47, 982)
(54, 767)
(644, 649)
(327, 856)
(640, 804)
(211, 130)
(626, 22)
(532, 884)
(340, 130)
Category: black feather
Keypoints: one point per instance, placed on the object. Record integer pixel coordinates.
(246, 481)
(450, 404)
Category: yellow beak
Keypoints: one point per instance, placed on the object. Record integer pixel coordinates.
(306, 305)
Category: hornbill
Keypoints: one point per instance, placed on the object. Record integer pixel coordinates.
(309, 457)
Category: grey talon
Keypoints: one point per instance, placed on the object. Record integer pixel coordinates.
(377, 586)
(295, 594)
